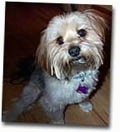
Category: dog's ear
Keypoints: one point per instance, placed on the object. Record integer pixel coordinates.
(98, 22)
(41, 53)
(43, 59)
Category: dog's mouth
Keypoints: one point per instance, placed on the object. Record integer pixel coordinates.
(79, 59)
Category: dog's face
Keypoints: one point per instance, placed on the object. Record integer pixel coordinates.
(72, 43)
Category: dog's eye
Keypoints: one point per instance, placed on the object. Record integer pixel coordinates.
(60, 40)
(82, 32)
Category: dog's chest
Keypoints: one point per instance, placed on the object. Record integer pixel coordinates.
(62, 91)
(66, 91)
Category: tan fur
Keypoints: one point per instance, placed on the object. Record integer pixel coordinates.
(54, 58)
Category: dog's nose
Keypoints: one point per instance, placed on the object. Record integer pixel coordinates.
(74, 51)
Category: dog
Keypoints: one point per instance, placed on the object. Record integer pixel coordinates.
(68, 59)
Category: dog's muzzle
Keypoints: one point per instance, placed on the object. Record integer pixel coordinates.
(79, 59)
(74, 52)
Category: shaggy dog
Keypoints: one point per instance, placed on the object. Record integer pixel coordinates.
(68, 60)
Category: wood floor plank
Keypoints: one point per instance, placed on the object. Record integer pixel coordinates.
(75, 116)
(101, 100)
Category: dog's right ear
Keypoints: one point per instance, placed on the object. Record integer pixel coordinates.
(41, 53)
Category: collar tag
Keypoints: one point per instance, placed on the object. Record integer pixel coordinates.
(82, 89)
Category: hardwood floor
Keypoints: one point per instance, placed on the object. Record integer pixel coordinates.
(23, 24)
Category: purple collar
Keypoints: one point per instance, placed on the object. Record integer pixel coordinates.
(82, 89)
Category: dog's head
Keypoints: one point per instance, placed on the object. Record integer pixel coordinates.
(71, 43)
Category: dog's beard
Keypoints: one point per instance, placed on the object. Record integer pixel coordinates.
(63, 66)
(59, 63)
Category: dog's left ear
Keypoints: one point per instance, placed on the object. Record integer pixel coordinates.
(98, 22)
(41, 53)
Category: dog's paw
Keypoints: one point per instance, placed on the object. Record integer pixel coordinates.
(59, 122)
(86, 106)
(8, 116)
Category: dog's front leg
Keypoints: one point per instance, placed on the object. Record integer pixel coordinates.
(29, 95)
(57, 117)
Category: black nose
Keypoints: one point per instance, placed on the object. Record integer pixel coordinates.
(74, 51)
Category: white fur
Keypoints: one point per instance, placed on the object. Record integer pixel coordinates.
(60, 93)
